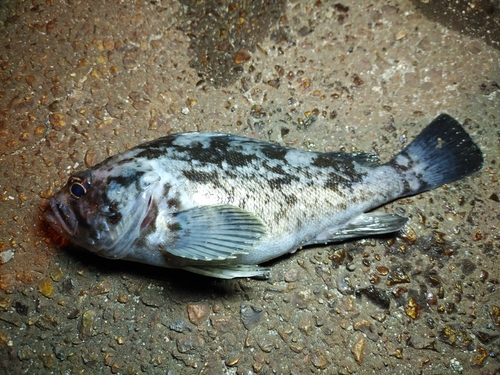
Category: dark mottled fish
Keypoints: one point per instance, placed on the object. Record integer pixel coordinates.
(219, 204)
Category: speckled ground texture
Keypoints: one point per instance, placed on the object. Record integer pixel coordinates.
(80, 81)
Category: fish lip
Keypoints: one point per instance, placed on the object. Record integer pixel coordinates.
(55, 218)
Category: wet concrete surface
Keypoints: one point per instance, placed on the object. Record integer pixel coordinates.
(80, 81)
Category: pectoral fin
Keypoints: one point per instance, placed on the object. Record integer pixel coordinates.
(214, 233)
(365, 225)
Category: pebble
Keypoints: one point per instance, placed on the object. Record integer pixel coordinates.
(367, 328)
(291, 275)
(250, 316)
(47, 322)
(102, 288)
(179, 326)
(233, 360)
(357, 349)
(412, 308)
(197, 312)
(305, 325)
(378, 296)
(56, 274)
(302, 298)
(86, 324)
(46, 287)
(241, 56)
(25, 353)
(150, 297)
(319, 359)
(6, 256)
(5, 303)
(222, 324)
(48, 359)
(57, 120)
(456, 366)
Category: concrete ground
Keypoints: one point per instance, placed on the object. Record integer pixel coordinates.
(80, 81)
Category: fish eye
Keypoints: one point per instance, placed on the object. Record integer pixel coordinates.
(78, 187)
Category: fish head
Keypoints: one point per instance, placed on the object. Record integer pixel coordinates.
(104, 209)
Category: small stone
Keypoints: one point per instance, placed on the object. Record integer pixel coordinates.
(456, 366)
(382, 270)
(222, 324)
(266, 344)
(143, 105)
(482, 354)
(412, 308)
(150, 297)
(197, 312)
(123, 298)
(104, 287)
(187, 343)
(46, 288)
(408, 235)
(108, 44)
(48, 359)
(319, 359)
(56, 274)
(6, 256)
(57, 120)
(25, 353)
(250, 316)
(338, 256)
(86, 324)
(367, 328)
(305, 325)
(291, 275)
(90, 157)
(179, 326)
(241, 56)
(483, 276)
(297, 348)
(421, 342)
(233, 361)
(5, 303)
(357, 349)
(456, 336)
(5, 340)
(344, 285)
(131, 58)
(47, 322)
(302, 298)
(398, 353)
(401, 34)
(485, 337)
(120, 340)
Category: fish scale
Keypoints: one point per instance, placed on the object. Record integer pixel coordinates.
(220, 204)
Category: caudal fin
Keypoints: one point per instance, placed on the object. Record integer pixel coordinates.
(441, 154)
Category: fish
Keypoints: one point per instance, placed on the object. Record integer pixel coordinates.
(221, 205)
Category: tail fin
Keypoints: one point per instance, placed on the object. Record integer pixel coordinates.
(441, 154)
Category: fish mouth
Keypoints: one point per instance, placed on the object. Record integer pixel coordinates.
(61, 218)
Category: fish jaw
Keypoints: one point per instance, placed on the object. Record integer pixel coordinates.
(61, 218)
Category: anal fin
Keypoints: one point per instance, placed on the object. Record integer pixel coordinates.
(364, 225)
(231, 271)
